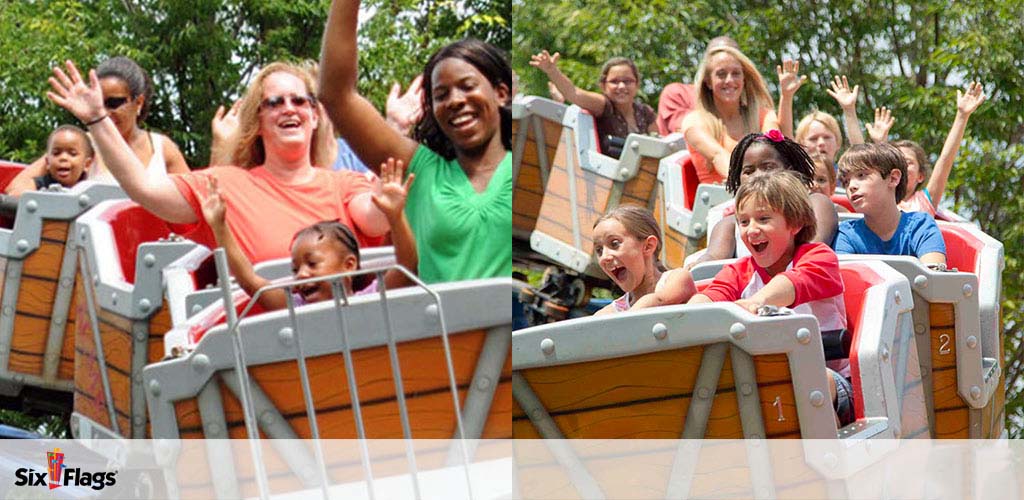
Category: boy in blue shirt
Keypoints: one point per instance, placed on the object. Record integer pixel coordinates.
(875, 177)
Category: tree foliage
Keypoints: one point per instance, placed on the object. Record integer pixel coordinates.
(201, 54)
(907, 55)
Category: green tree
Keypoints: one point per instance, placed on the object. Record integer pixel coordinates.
(910, 56)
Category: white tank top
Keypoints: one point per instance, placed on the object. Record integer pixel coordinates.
(157, 167)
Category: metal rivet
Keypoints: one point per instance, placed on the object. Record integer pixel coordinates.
(705, 197)
(660, 331)
(83, 200)
(817, 398)
(968, 290)
(140, 336)
(113, 298)
(431, 310)
(803, 335)
(200, 363)
(8, 310)
(972, 342)
(139, 419)
(83, 233)
(137, 378)
(154, 388)
(547, 346)
(975, 392)
(22, 245)
(921, 281)
(703, 393)
(213, 428)
(196, 308)
(623, 172)
(919, 328)
(286, 335)
(831, 460)
(746, 389)
(738, 331)
(483, 383)
(536, 413)
(149, 260)
(679, 221)
(897, 297)
(698, 228)
(267, 418)
(145, 305)
(32, 205)
(885, 354)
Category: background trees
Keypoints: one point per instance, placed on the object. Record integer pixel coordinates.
(201, 54)
(908, 55)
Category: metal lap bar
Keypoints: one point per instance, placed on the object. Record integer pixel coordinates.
(101, 361)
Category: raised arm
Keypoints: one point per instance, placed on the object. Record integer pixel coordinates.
(590, 101)
(223, 128)
(405, 110)
(24, 180)
(85, 101)
(966, 103)
(214, 208)
(879, 129)
(790, 81)
(847, 99)
(391, 201)
(697, 135)
(354, 118)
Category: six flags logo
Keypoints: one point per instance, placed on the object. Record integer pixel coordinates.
(60, 475)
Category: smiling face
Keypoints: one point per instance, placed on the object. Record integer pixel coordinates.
(125, 115)
(821, 141)
(315, 255)
(67, 157)
(620, 84)
(465, 104)
(759, 158)
(725, 78)
(767, 235)
(287, 116)
(623, 257)
(914, 174)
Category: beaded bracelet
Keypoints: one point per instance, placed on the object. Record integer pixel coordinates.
(94, 122)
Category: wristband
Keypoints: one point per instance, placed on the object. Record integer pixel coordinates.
(94, 122)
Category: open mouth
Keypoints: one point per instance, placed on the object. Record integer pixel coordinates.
(759, 247)
(290, 123)
(309, 293)
(856, 198)
(617, 273)
(463, 121)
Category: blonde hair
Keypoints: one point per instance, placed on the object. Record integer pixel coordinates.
(785, 192)
(753, 99)
(825, 119)
(249, 150)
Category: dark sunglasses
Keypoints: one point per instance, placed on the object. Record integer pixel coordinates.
(297, 100)
(113, 103)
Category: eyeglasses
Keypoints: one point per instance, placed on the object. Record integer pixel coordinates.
(625, 81)
(113, 103)
(298, 101)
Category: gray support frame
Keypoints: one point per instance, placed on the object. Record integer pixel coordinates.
(480, 395)
(61, 308)
(218, 447)
(695, 426)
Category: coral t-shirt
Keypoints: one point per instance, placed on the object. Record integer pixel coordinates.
(264, 213)
(706, 172)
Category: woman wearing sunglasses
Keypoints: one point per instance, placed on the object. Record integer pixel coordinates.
(127, 91)
(271, 192)
(460, 207)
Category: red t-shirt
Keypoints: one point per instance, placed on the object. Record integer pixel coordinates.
(264, 213)
(675, 101)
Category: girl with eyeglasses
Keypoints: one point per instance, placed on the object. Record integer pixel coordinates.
(461, 206)
(617, 111)
(127, 92)
(271, 192)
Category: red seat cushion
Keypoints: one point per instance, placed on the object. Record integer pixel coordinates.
(857, 279)
(690, 181)
(962, 248)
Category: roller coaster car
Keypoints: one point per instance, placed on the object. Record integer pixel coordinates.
(664, 372)
(38, 273)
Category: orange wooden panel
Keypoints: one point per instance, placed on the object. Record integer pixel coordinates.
(56, 230)
(952, 424)
(638, 190)
(775, 389)
(35, 297)
(28, 344)
(45, 261)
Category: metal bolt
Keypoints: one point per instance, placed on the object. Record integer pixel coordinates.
(623, 172)
(536, 414)
(547, 346)
(431, 310)
(8, 310)
(635, 145)
(140, 336)
(885, 354)
(196, 308)
(145, 305)
(679, 221)
(213, 429)
(698, 228)
(200, 363)
(22, 245)
(830, 460)
(113, 298)
(897, 297)
(703, 393)
(968, 290)
(921, 281)
(32, 205)
(267, 418)
(286, 335)
(803, 335)
(149, 260)
(972, 342)
(975, 392)
(83, 200)
(82, 233)
(705, 198)
(154, 388)
(746, 389)
(817, 398)
(919, 328)
(660, 331)
(738, 331)
(139, 419)
(483, 383)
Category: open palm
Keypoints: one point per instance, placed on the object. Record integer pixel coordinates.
(73, 94)
(392, 195)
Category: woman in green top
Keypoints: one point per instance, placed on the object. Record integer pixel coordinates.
(460, 207)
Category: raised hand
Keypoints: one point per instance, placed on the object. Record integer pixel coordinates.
(70, 92)
(967, 102)
(225, 123)
(214, 206)
(545, 62)
(391, 195)
(790, 79)
(403, 111)
(879, 130)
(842, 93)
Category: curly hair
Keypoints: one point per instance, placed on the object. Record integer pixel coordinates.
(490, 61)
(133, 76)
(794, 159)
